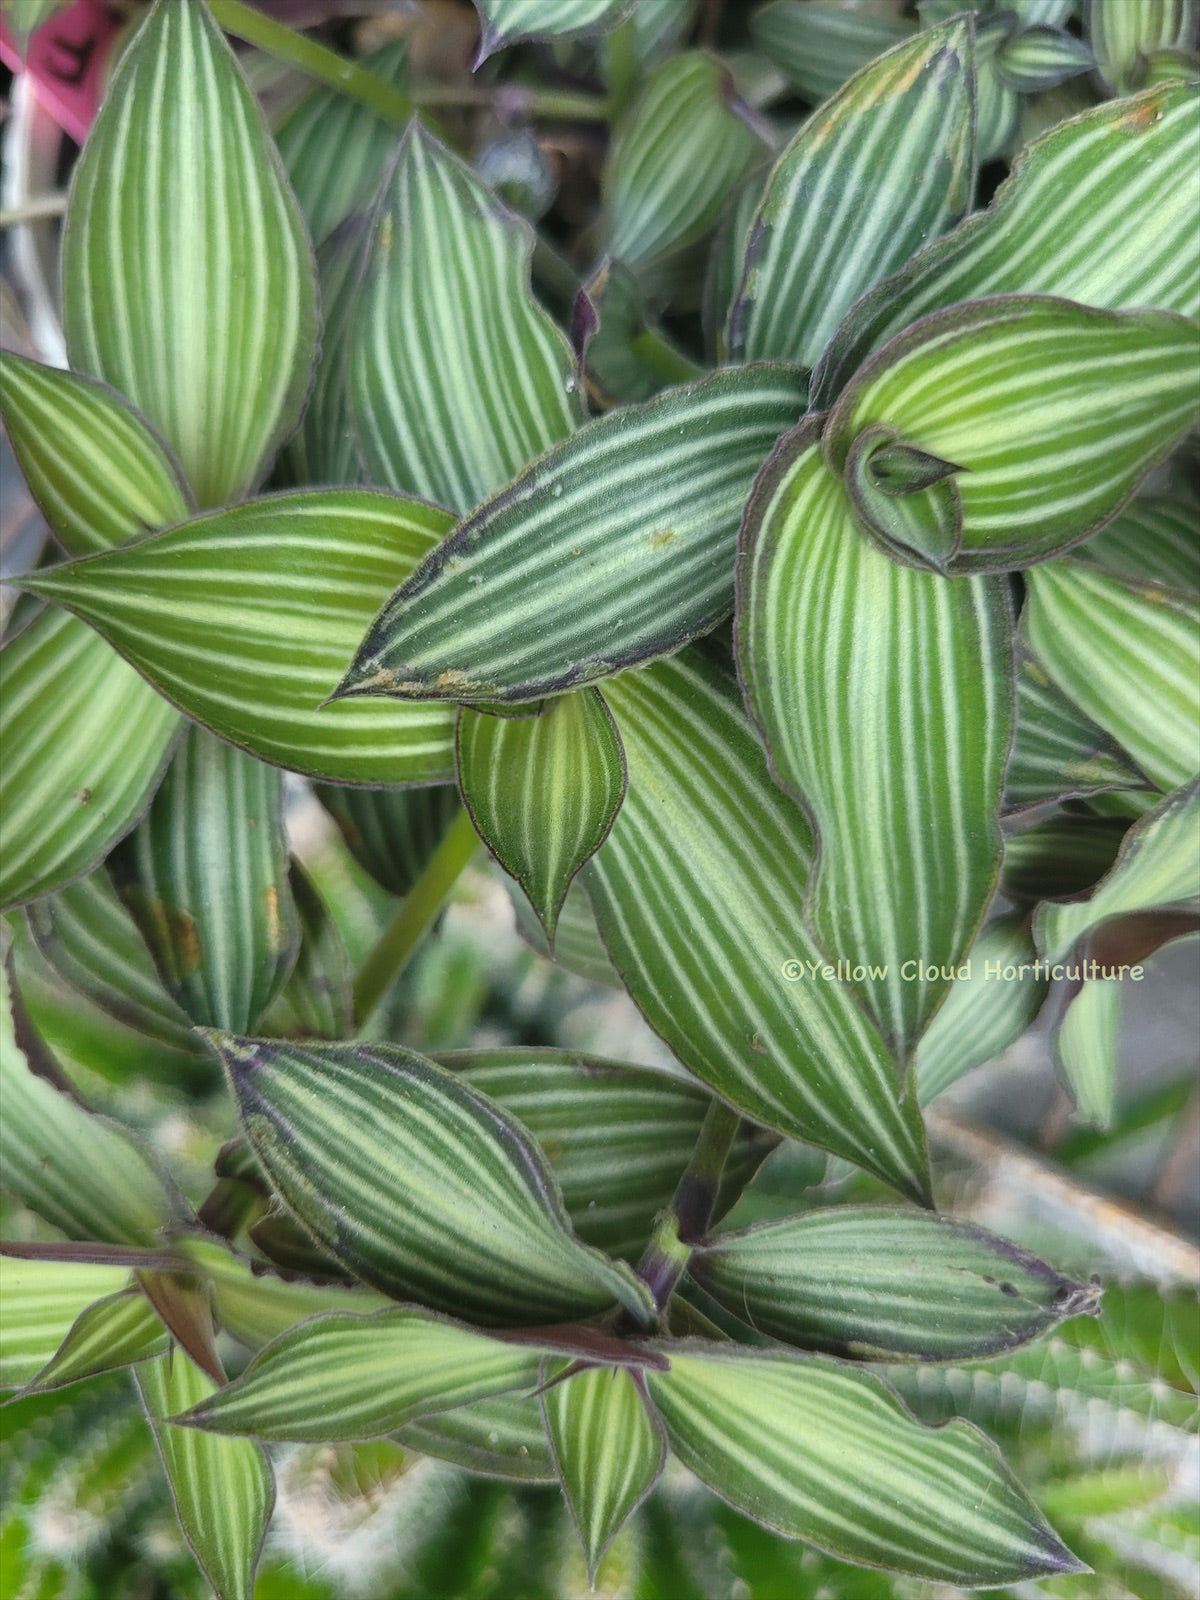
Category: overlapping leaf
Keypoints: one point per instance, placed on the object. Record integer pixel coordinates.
(616, 546)
(507, 21)
(1086, 1047)
(625, 353)
(886, 1284)
(886, 165)
(701, 940)
(1060, 856)
(97, 470)
(1154, 539)
(117, 1331)
(455, 376)
(503, 1436)
(213, 342)
(869, 1485)
(1097, 211)
(40, 1302)
(543, 791)
(1128, 654)
(1128, 38)
(885, 697)
(418, 1184)
(1052, 413)
(392, 832)
(315, 1002)
(246, 618)
(609, 1449)
(817, 46)
(322, 449)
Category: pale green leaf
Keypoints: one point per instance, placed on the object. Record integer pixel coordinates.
(223, 1489)
(609, 1448)
(503, 1437)
(417, 1183)
(1086, 1047)
(577, 946)
(1123, 33)
(885, 697)
(39, 1304)
(821, 1452)
(1097, 211)
(1052, 412)
(455, 376)
(883, 167)
(1153, 540)
(886, 1284)
(817, 45)
(543, 791)
(617, 545)
(507, 21)
(213, 343)
(699, 892)
(117, 1331)
(340, 1376)
(85, 741)
(97, 470)
(246, 619)
(1128, 654)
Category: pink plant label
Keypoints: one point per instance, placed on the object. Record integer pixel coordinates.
(67, 58)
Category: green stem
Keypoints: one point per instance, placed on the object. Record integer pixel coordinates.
(663, 359)
(391, 953)
(685, 1223)
(514, 98)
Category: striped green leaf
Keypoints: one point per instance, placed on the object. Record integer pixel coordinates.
(334, 147)
(503, 1437)
(616, 546)
(223, 1489)
(703, 936)
(80, 1172)
(1052, 412)
(826, 1454)
(884, 694)
(97, 470)
(1085, 1046)
(1126, 37)
(40, 1302)
(315, 1002)
(1122, 649)
(117, 1331)
(543, 791)
(995, 996)
(85, 741)
(204, 876)
(356, 1377)
(1153, 540)
(1059, 857)
(507, 21)
(219, 614)
(577, 945)
(817, 45)
(189, 285)
(1096, 211)
(997, 103)
(617, 1136)
(91, 942)
(1040, 58)
(322, 449)
(886, 1284)
(1058, 753)
(609, 1449)
(391, 832)
(455, 376)
(658, 196)
(418, 1184)
(886, 165)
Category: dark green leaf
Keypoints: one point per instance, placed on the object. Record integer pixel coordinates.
(391, 832)
(817, 45)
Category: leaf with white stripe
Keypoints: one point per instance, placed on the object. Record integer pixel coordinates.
(189, 285)
(543, 791)
(85, 741)
(885, 165)
(609, 1448)
(616, 546)
(1128, 654)
(82, 1173)
(503, 1437)
(340, 1376)
(455, 376)
(391, 833)
(1127, 36)
(220, 615)
(1097, 211)
(322, 449)
(827, 1454)
(223, 1489)
(204, 877)
(1153, 540)
(1059, 753)
(1051, 413)
(885, 697)
(97, 470)
(316, 1001)
(40, 1301)
(507, 21)
(617, 1136)
(701, 935)
(880, 1283)
(1039, 58)
(117, 1331)
(1060, 856)
(92, 943)
(658, 196)
(817, 46)
(418, 1184)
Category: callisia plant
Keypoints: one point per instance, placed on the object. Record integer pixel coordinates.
(784, 564)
